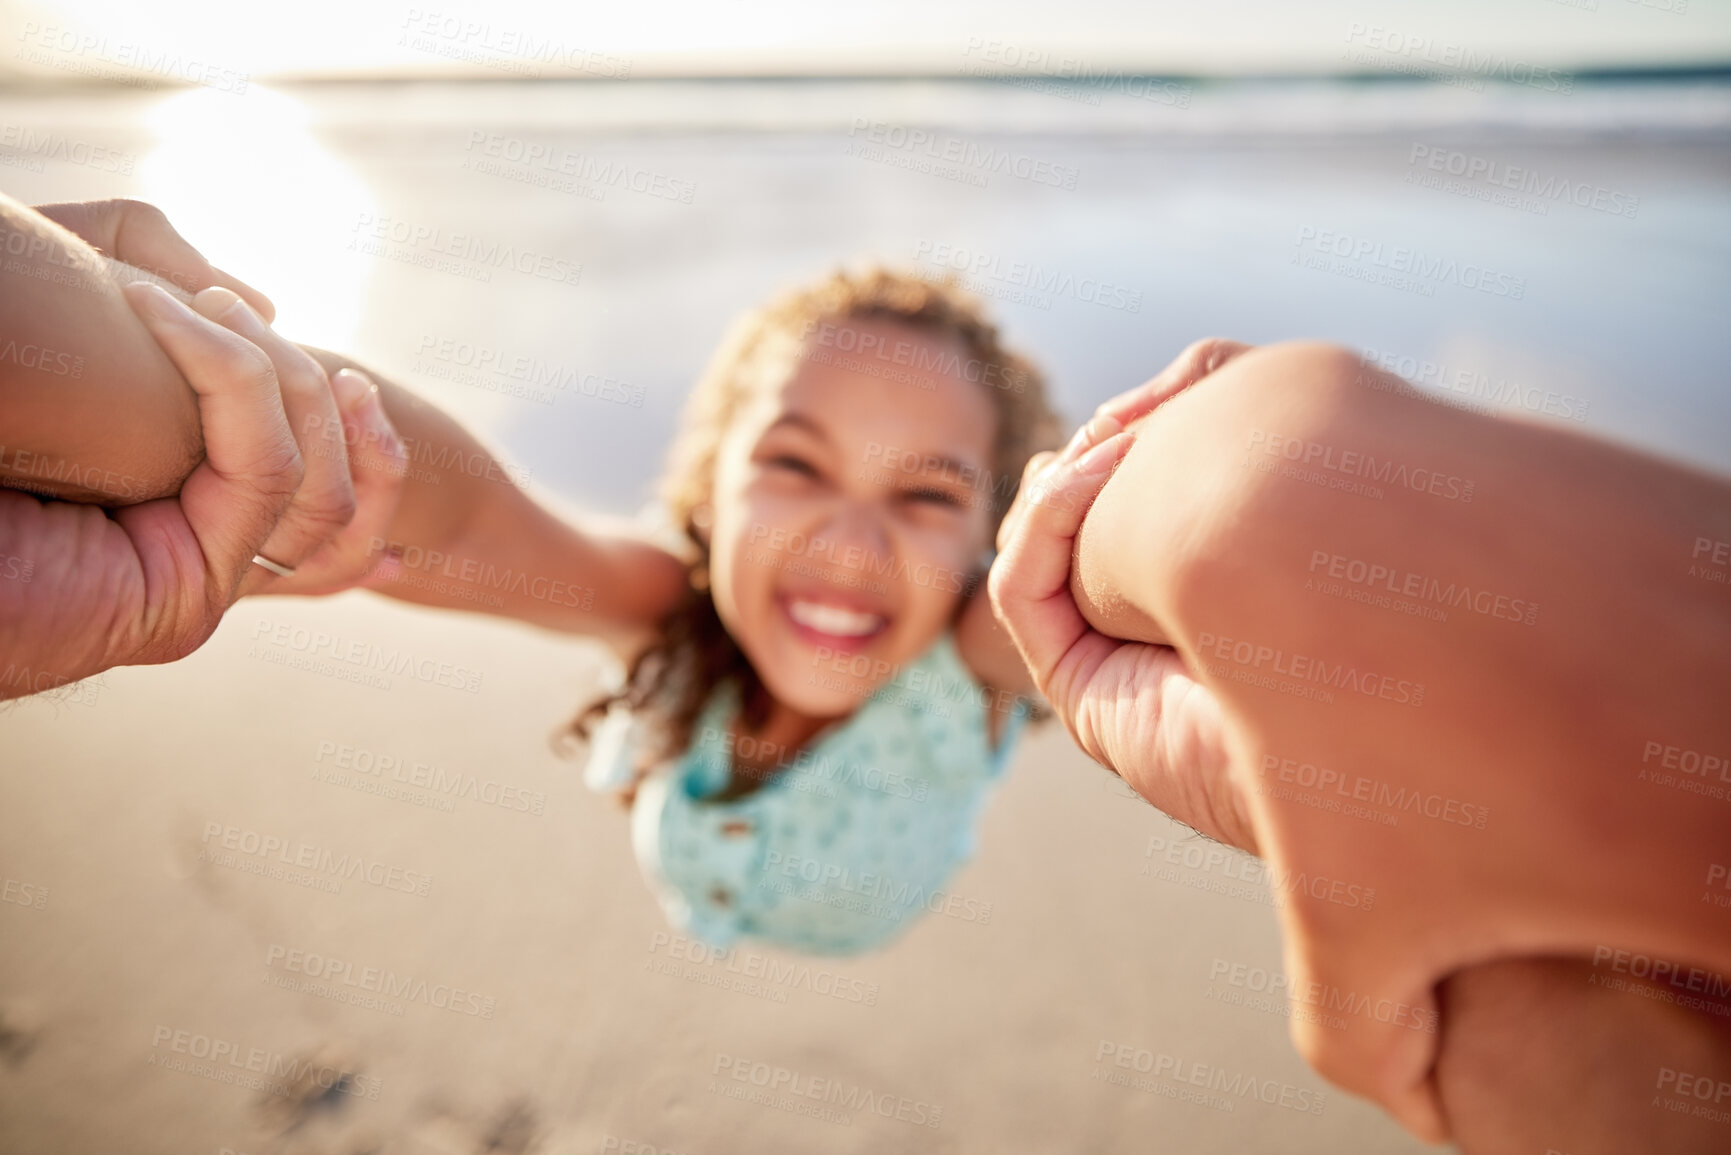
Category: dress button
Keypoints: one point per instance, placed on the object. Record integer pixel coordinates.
(720, 896)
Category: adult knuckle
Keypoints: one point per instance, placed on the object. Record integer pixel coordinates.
(240, 360)
(299, 373)
(280, 470)
(182, 638)
(180, 627)
(345, 507)
(339, 512)
(333, 508)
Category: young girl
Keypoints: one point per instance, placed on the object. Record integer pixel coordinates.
(825, 699)
(811, 736)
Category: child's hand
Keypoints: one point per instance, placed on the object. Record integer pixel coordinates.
(1131, 706)
(1197, 361)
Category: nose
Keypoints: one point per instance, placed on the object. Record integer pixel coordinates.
(852, 524)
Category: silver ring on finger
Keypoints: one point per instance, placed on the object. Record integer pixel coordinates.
(276, 567)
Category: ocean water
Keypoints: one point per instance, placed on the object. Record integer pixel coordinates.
(555, 261)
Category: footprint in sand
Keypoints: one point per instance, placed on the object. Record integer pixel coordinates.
(323, 1082)
(20, 1030)
(513, 1129)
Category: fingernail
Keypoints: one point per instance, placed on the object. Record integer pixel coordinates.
(374, 403)
(215, 301)
(1104, 455)
(1097, 429)
(155, 300)
(1104, 425)
(350, 387)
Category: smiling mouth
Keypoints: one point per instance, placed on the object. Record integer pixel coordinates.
(826, 623)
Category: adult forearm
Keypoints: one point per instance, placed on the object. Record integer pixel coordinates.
(1572, 1055)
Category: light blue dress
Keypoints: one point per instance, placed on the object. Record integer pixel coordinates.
(841, 851)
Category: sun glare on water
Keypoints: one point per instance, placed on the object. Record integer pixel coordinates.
(271, 203)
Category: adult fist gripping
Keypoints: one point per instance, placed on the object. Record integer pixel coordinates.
(1173, 615)
(92, 588)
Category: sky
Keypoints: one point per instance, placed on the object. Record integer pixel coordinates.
(102, 39)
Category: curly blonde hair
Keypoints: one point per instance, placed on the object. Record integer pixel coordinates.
(672, 679)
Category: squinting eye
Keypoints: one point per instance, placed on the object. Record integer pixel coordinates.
(797, 465)
(934, 496)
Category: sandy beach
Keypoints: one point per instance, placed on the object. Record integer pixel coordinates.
(189, 828)
(326, 887)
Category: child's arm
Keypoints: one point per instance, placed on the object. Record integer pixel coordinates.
(470, 538)
(990, 655)
(95, 410)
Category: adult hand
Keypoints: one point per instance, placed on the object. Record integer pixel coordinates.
(343, 505)
(140, 235)
(1132, 706)
(1139, 708)
(377, 465)
(83, 589)
(1217, 535)
(148, 583)
(355, 466)
(347, 498)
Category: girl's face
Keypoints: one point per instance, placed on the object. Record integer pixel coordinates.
(851, 507)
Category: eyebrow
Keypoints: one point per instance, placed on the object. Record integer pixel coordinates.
(801, 421)
(949, 468)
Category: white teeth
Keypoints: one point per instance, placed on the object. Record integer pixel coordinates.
(834, 620)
